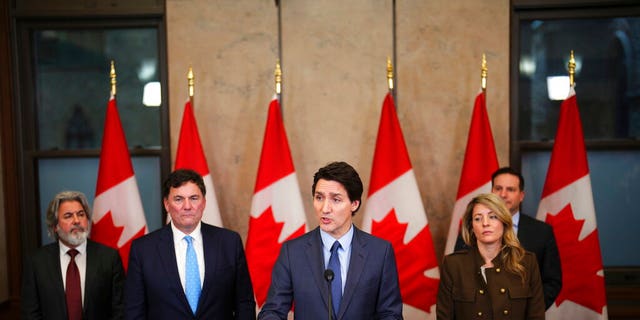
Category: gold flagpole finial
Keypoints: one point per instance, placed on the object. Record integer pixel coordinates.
(572, 69)
(112, 76)
(190, 82)
(389, 73)
(278, 77)
(484, 72)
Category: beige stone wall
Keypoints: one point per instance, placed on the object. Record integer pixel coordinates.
(334, 58)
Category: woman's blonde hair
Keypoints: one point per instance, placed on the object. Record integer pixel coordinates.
(511, 252)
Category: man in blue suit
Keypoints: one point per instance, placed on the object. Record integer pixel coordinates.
(188, 269)
(336, 266)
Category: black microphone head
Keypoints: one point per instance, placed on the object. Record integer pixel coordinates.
(328, 275)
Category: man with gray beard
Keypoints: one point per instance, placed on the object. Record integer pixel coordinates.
(72, 278)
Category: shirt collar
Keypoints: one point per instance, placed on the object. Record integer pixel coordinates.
(515, 219)
(345, 240)
(82, 248)
(179, 235)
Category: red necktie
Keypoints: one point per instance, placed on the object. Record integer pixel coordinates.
(73, 292)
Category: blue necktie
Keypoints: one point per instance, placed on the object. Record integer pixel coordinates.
(192, 276)
(336, 284)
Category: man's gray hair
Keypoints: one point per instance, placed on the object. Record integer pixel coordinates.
(52, 211)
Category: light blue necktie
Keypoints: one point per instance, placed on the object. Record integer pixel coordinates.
(336, 284)
(192, 276)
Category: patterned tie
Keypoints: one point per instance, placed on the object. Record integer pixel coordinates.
(192, 276)
(73, 291)
(336, 284)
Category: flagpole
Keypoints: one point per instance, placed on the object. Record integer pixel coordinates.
(278, 78)
(116, 224)
(389, 74)
(277, 210)
(190, 84)
(390, 78)
(572, 69)
(394, 29)
(112, 75)
(483, 73)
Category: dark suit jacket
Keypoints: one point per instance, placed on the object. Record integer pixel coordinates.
(153, 289)
(537, 237)
(371, 290)
(464, 294)
(43, 294)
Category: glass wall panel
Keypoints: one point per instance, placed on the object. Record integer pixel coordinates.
(607, 53)
(72, 86)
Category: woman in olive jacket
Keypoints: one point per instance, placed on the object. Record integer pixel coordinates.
(495, 278)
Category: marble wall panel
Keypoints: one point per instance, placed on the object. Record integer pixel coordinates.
(334, 80)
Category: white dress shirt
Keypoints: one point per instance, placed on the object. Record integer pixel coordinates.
(81, 262)
(515, 219)
(344, 253)
(180, 245)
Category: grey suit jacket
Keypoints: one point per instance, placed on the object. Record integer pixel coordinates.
(43, 294)
(371, 290)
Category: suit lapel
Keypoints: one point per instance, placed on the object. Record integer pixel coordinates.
(167, 254)
(211, 248)
(55, 274)
(356, 267)
(315, 258)
(90, 275)
(523, 229)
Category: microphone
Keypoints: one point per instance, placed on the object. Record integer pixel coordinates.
(328, 275)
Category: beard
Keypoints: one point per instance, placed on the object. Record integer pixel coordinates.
(75, 237)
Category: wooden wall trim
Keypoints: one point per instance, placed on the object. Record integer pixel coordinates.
(65, 8)
(9, 173)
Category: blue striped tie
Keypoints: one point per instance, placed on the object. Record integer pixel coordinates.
(192, 276)
(336, 284)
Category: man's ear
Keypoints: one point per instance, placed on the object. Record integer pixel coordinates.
(355, 205)
(165, 204)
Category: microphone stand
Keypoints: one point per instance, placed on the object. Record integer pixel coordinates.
(328, 275)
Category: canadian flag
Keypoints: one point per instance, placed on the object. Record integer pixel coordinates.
(480, 162)
(394, 211)
(118, 217)
(190, 155)
(567, 205)
(277, 212)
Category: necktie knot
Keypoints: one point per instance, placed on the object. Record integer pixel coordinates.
(73, 253)
(334, 248)
(189, 240)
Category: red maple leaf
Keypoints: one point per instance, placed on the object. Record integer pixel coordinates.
(107, 233)
(580, 260)
(263, 249)
(413, 259)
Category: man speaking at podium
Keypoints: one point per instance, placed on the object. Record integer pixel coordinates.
(335, 271)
